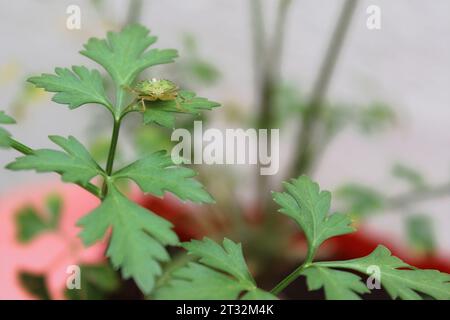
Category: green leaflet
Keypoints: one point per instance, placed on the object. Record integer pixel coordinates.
(30, 222)
(74, 164)
(221, 273)
(309, 207)
(156, 174)
(338, 285)
(4, 135)
(74, 87)
(398, 278)
(162, 112)
(124, 54)
(138, 237)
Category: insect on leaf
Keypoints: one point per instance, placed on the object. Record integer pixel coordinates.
(163, 112)
(74, 87)
(361, 200)
(74, 163)
(138, 237)
(156, 173)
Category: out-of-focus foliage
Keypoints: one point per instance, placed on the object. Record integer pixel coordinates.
(34, 284)
(31, 222)
(411, 176)
(194, 67)
(360, 200)
(4, 135)
(97, 282)
(420, 233)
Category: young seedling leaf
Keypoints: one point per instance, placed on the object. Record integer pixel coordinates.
(221, 273)
(124, 54)
(74, 87)
(4, 135)
(156, 173)
(338, 285)
(163, 112)
(74, 163)
(309, 207)
(398, 278)
(138, 237)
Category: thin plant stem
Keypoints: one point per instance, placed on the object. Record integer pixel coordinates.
(134, 11)
(112, 152)
(418, 195)
(294, 275)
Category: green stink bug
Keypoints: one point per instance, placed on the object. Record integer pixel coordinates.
(155, 89)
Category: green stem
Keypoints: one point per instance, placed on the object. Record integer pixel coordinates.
(112, 151)
(20, 147)
(294, 275)
(16, 145)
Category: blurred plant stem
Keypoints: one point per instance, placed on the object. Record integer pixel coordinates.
(267, 65)
(305, 154)
(417, 195)
(134, 11)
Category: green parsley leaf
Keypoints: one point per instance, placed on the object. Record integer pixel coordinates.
(398, 278)
(309, 207)
(138, 237)
(124, 54)
(221, 273)
(162, 112)
(4, 135)
(75, 164)
(338, 285)
(74, 87)
(156, 173)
